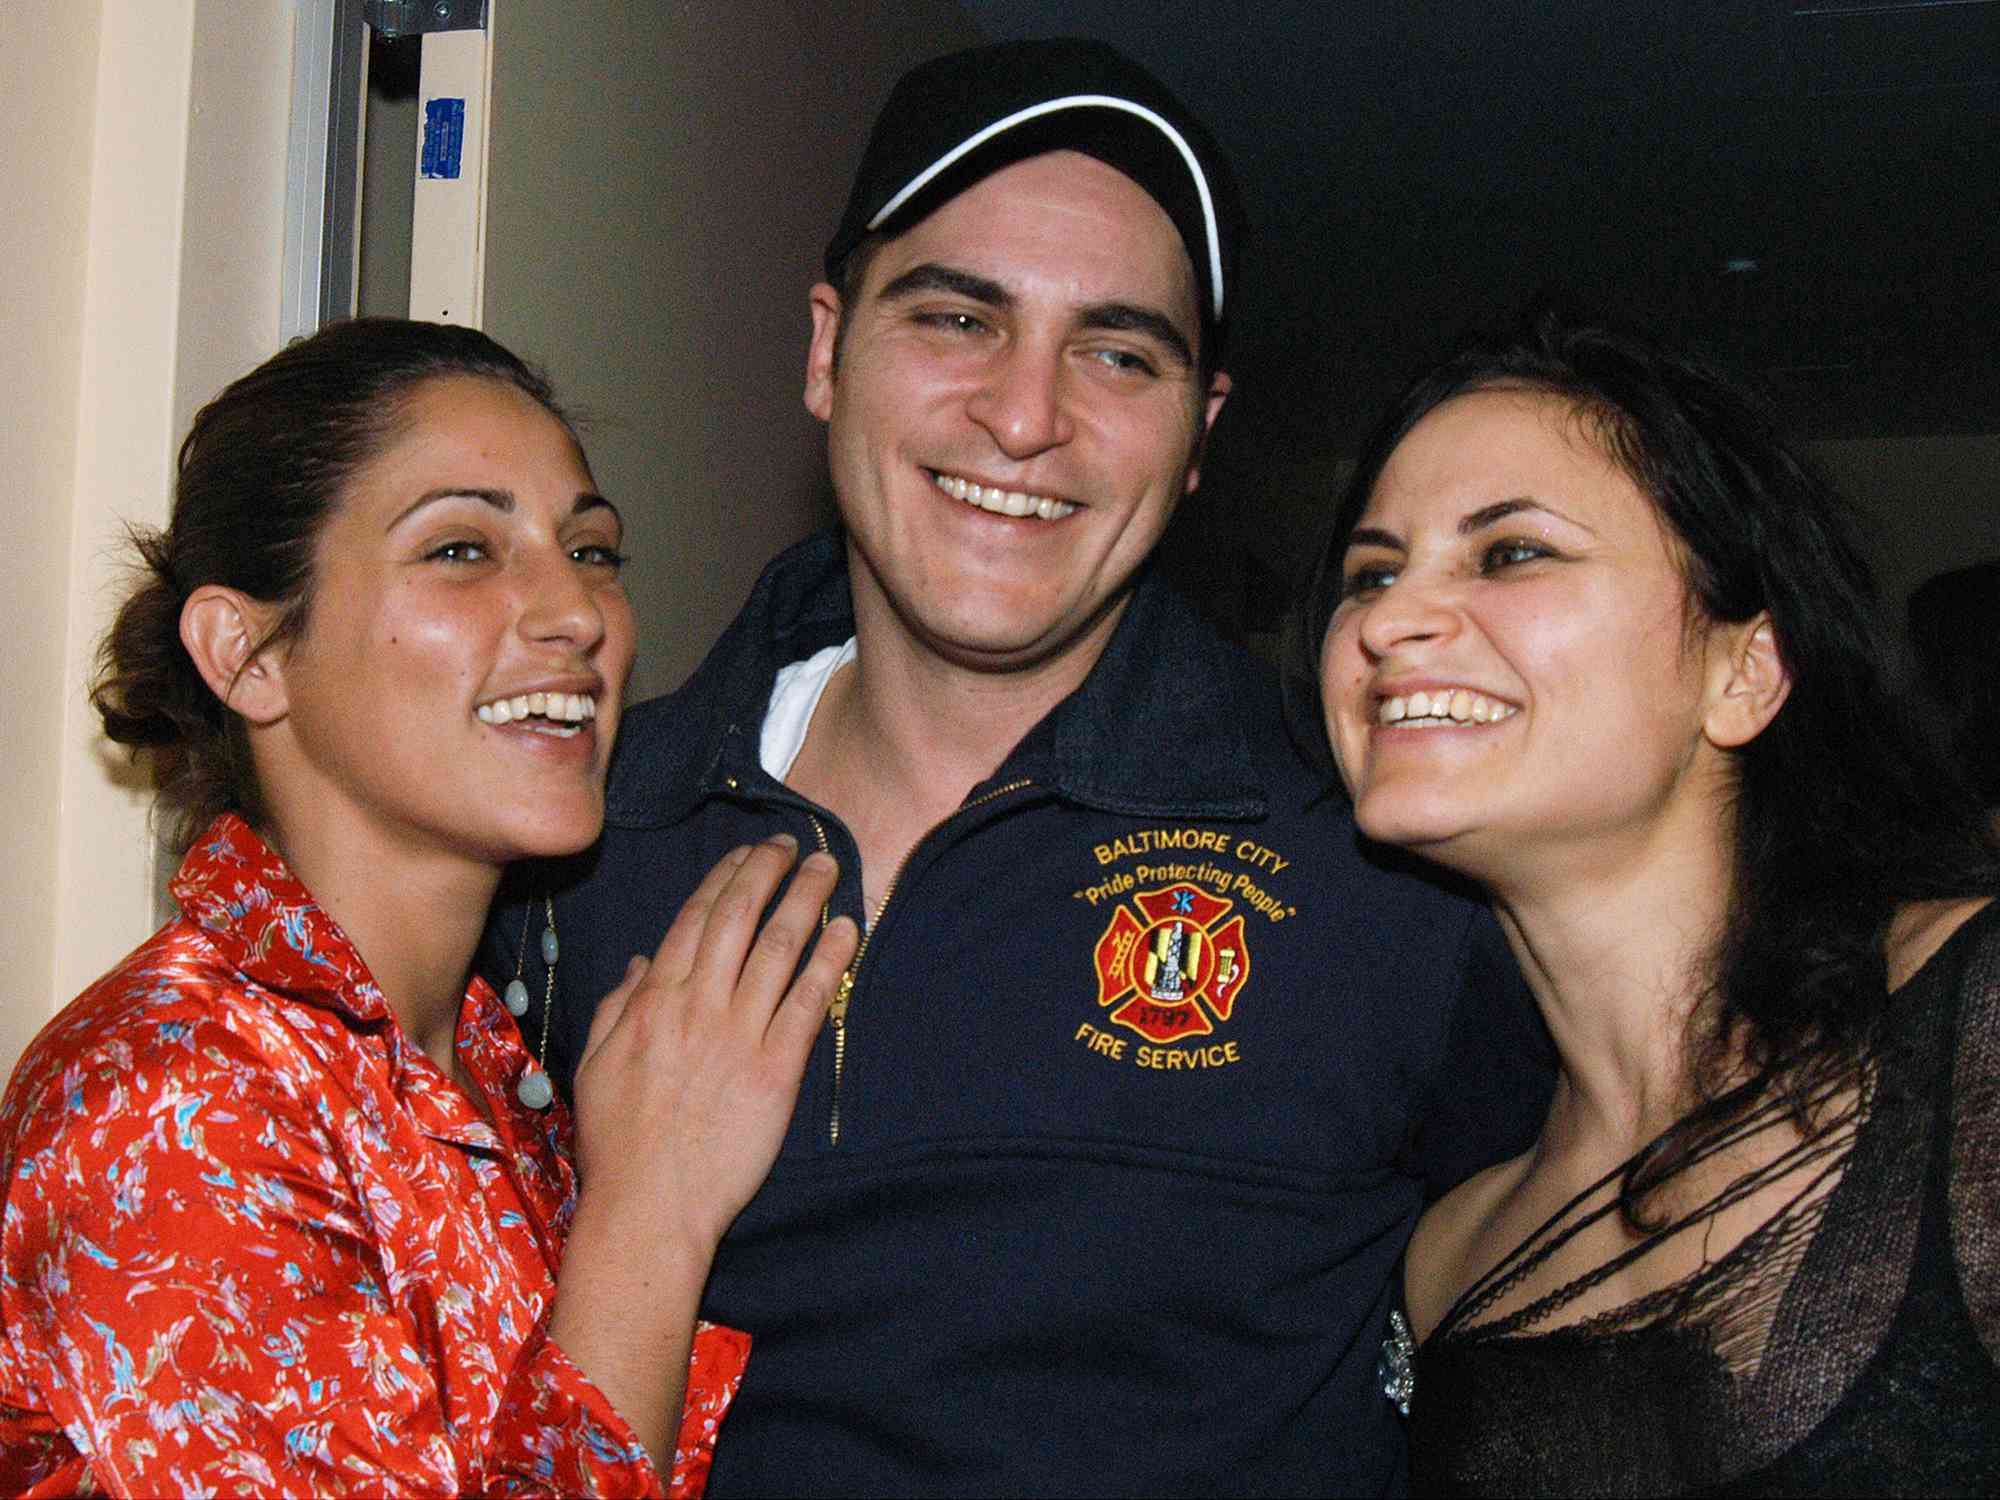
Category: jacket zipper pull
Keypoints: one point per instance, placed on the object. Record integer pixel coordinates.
(837, 1012)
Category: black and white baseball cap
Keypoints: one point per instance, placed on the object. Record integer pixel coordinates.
(957, 119)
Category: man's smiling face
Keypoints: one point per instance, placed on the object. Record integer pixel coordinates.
(1015, 411)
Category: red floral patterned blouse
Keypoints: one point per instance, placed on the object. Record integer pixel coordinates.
(255, 1242)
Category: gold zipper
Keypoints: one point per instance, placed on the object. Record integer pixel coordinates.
(836, 1013)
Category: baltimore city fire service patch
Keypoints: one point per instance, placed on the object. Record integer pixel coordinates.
(1172, 963)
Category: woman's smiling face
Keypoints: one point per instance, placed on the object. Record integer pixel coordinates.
(457, 683)
(1515, 662)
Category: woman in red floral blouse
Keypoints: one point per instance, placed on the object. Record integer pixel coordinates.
(288, 1208)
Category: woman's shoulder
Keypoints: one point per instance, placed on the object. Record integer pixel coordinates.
(174, 1021)
(1920, 929)
(1439, 1264)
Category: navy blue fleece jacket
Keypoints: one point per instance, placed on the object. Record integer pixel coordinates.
(1147, 1068)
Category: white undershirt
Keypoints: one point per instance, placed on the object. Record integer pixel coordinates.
(795, 695)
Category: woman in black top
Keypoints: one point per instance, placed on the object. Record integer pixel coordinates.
(1592, 634)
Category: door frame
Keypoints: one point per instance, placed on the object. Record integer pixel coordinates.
(324, 155)
(323, 165)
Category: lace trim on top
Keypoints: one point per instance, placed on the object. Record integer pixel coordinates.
(1735, 1295)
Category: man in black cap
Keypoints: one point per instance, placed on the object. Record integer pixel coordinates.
(1100, 1172)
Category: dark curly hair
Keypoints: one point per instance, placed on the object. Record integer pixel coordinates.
(262, 469)
(1843, 809)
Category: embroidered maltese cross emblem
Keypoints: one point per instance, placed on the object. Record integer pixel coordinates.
(1172, 963)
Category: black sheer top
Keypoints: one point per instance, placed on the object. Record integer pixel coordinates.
(1848, 1346)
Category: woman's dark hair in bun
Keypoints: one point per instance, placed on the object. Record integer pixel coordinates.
(262, 469)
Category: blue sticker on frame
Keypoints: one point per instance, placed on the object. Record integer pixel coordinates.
(444, 138)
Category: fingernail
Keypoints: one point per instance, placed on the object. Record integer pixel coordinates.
(783, 841)
(737, 855)
(819, 861)
(635, 965)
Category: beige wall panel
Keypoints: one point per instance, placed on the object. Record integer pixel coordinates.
(233, 242)
(185, 248)
(48, 86)
(662, 178)
(103, 858)
(142, 155)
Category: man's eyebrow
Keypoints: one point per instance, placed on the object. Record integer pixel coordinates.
(932, 277)
(1116, 317)
(1125, 317)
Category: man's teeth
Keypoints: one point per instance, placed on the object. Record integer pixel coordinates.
(1002, 502)
(559, 714)
(1445, 706)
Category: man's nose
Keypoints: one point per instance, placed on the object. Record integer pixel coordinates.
(1023, 400)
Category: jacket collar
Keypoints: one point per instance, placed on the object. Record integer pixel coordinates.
(1154, 731)
(267, 925)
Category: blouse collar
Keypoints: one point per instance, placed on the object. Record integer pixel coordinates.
(238, 889)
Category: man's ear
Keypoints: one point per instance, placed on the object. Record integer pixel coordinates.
(1211, 406)
(224, 630)
(1752, 683)
(826, 311)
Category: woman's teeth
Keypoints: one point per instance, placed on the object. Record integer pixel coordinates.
(1002, 502)
(1445, 706)
(559, 714)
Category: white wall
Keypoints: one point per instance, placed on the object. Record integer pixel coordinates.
(142, 157)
